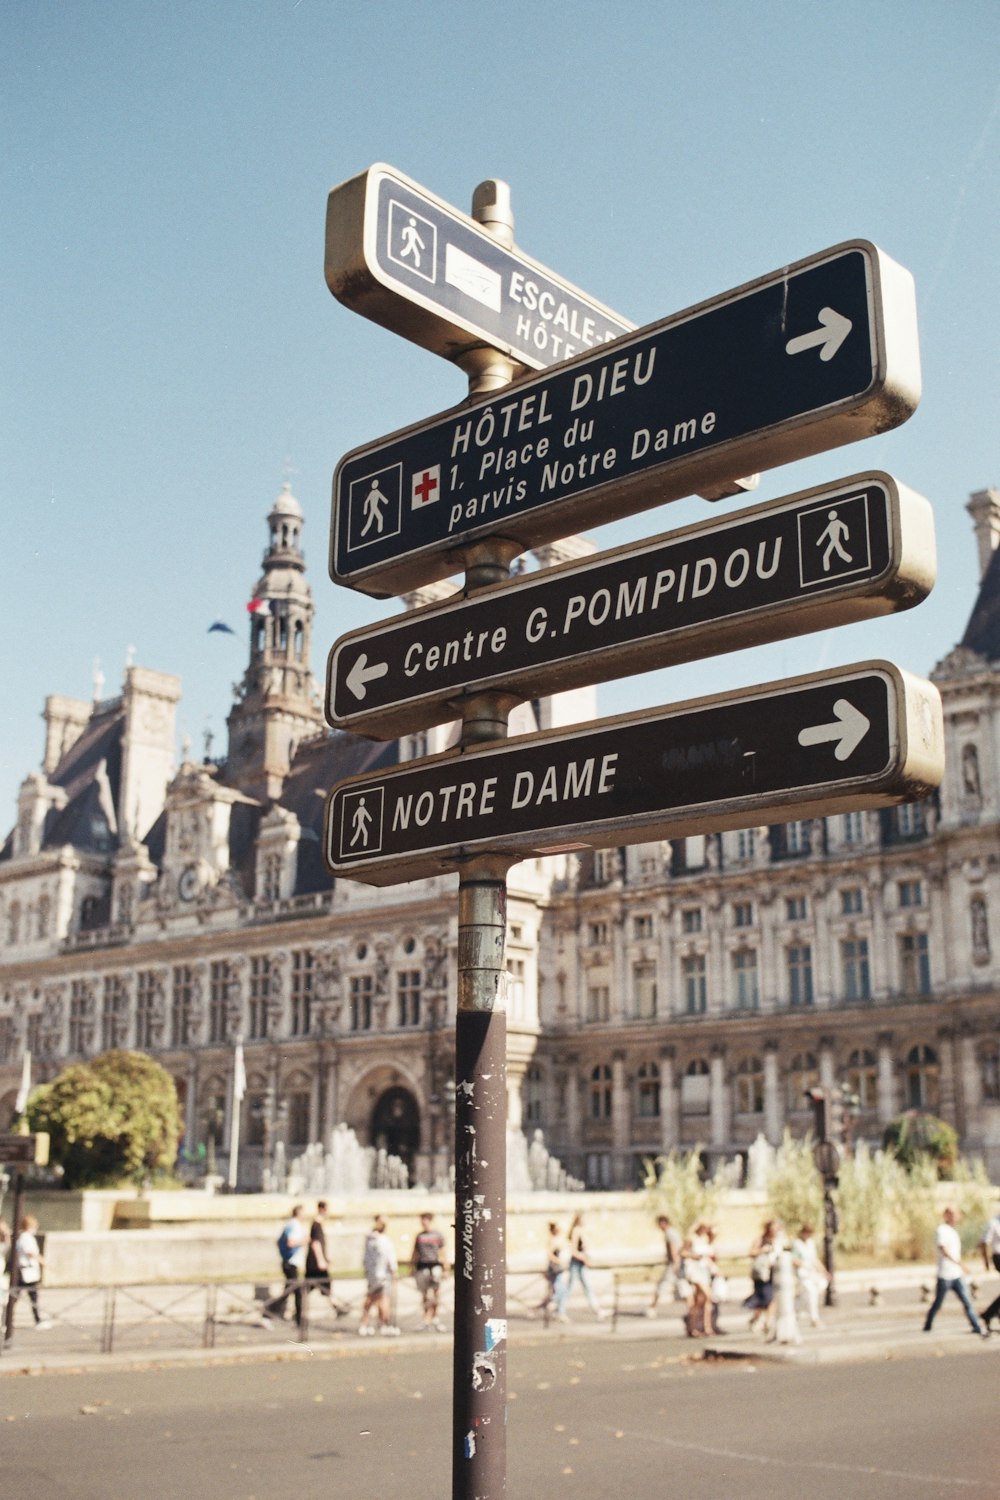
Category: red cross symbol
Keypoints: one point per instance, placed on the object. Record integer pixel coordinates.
(423, 490)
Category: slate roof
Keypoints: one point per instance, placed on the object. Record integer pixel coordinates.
(982, 634)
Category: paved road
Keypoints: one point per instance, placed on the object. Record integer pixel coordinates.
(588, 1417)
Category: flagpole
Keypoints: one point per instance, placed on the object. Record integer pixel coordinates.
(239, 1089)
(24, 1091)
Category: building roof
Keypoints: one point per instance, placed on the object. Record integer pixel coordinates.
(982, 634)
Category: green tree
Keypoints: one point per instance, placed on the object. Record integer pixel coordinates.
(112, 1119)
(917, 1135)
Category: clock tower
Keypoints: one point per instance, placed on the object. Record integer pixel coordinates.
(278, 704)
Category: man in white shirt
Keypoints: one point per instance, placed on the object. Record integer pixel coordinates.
(951, 1272)
(990, 1248)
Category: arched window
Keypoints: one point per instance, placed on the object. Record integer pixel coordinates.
(600, 1092)
(647, 1091)
(922, 1078)
(695, 1088)
(803, 1074)
(299, 639)
(750, 1087)
(862, 1077)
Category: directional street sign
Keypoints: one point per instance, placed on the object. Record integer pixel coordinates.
(24, 1150)
(818, 354)
(860, 548)
(409, 261)
(863, 736)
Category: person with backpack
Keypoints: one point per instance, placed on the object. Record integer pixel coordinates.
(293, 1242)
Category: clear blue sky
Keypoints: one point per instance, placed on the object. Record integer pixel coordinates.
(169, 342)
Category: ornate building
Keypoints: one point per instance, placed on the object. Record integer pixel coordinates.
(662, 994)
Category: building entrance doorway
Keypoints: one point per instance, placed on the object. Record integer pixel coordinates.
(396, 1126)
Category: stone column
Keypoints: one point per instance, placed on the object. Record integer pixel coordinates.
(886, 1086)
(621, 1121)
(670, 1133)
(947, 1104)
(773, 1114)
(971, 1084)
(718, 1105)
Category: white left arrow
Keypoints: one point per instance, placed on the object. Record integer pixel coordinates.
(361, 674)
(831, 333)
(847, 730)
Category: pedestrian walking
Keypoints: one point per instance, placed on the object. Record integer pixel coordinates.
(810, 1275)
(26, 1269)
(989, 1247)
(764, 1254)
(671, 1261)
(318, 1274)
(579, 1265)
(555, 1266)
(381, 1270)
(430, 1266)
(951, 1272)
(292, 1243)
(699, 1268)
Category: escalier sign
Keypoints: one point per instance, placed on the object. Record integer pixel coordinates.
(818, 354)
(860, 737)
(827, 556)
(404, 258)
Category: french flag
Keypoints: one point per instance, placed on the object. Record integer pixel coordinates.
(259, 607)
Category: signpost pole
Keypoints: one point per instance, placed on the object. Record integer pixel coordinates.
(479, 1394)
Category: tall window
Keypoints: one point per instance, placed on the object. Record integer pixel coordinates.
(989, 1074)
(745, 979)
(750, 1086)
(598, 1002)
(696, 1088)
(114, 1019)
(691, 919)
(797, 837)
(851, 901)
(600, 1092)
(910, 821)
(145, 1009)
(271, 878)
(647, 1091)
(746, 843)
(693, 978)
(922, 1078)
(298, 1117)
(914, 964)
(258, 1011)
(408, 997)
(181, 1005)
(361, 1002)
(604, 865)
(516, 986)
(597, 934)
(852, 828)
(220, 978)
(862, 1077)
(644, 990)
(534, 1095)
(301, 991)
(803, 1074)
(800, 974)
(795, 908)
(743, 914)
(79, 1015)
(642, 926)
(854, 962)
(911, 893)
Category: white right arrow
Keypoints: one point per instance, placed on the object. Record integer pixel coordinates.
(848, 730)
(361, 674)
(831, 333)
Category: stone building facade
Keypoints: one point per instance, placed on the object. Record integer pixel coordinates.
(660, 995)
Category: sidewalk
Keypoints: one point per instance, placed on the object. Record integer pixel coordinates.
(169, 1330)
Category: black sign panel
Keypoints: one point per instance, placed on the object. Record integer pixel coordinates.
(819, 354)
(859, 737)
(843, 552)
(404, 258)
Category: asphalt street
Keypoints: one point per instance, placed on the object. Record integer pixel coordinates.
(587, 1417)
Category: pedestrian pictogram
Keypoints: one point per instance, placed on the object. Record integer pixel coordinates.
(375, 507)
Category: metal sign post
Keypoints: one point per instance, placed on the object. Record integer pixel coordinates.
(850, 551)
(725, 388)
